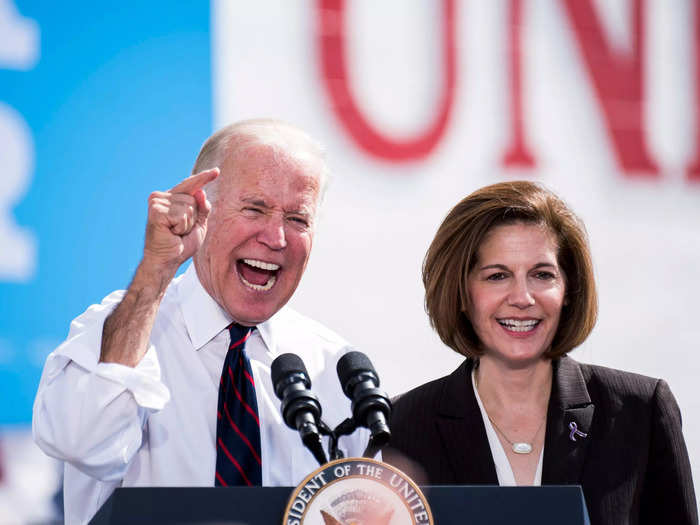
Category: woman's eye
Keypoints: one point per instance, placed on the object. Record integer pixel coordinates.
(545, 276)
(498, 276)
(253, 210)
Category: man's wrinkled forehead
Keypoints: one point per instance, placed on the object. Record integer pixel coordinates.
(248, 171)
(281, 145)
(273, 151)
(269, 149)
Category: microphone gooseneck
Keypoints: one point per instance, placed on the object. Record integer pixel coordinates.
(371, 407)
(300, 408)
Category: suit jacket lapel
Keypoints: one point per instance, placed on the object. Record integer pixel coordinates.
(569, 403)
(462, 431)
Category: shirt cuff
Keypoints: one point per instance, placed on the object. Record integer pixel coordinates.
(143, 381)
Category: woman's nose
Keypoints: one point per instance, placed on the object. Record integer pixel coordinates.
(520, 295)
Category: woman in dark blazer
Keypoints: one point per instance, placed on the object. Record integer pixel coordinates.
(509, 284)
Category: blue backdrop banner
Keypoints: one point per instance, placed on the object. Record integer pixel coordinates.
(100, 104)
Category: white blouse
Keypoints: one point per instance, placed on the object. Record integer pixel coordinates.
(506, 478)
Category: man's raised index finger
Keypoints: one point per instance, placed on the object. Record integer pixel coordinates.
(195, 182)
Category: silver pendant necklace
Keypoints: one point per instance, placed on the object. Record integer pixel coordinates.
(519, 447)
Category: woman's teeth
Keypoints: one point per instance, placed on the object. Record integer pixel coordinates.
(516, 325)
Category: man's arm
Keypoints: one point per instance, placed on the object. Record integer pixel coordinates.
(90, 409)
(177, 225)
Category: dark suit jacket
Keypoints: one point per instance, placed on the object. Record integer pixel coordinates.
(633, 466)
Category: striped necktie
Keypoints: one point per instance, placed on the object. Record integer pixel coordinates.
(237, 427)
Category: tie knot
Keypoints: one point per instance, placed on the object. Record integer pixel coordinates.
(239, 334)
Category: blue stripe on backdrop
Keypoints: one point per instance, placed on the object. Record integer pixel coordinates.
(116, 107)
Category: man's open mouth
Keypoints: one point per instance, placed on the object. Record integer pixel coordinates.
(257, 275)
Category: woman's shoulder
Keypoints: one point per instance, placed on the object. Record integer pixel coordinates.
(428, 395)
(616, 384)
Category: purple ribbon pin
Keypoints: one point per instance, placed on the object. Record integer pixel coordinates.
(575, 431)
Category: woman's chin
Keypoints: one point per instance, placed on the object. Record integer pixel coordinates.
(521, 358)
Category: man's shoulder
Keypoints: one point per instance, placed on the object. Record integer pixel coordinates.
(99, 311)
(318, 346)
(289, 322)
(91, 320)
(96, 313)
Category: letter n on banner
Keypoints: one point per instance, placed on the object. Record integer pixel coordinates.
(618, 83)
(331, 34)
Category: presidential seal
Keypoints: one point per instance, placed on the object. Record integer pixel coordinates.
(357, 491)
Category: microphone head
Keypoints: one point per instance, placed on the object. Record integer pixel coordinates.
(350, 365)
(287, 364)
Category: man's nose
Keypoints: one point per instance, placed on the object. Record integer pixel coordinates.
(520, 295)
(272, 234)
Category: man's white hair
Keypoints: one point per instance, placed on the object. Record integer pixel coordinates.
(283, 138)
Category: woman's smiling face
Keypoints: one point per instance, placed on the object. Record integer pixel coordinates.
(516, 292)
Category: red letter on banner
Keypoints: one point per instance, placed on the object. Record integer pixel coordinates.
(617, 80)
(517, 154)
(694, 167)
(331, 34)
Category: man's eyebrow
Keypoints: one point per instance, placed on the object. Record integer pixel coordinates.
(302, 210)
(255, 201)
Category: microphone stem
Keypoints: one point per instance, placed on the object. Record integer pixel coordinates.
(313, 443)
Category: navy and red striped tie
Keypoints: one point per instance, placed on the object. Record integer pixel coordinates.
(237, 427)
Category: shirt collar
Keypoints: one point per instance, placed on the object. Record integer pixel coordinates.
(205, 318)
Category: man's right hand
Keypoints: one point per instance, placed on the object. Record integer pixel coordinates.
(177, 223)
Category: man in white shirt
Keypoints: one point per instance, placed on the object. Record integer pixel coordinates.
(130, 397)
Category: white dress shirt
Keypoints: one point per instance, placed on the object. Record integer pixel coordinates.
(155, 424)
(506, 478)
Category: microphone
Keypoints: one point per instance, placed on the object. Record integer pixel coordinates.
(370, 406)
(300, 408)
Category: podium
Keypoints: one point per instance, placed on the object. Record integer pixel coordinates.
(451, 505)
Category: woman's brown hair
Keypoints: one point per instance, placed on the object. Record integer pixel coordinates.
(454, 250)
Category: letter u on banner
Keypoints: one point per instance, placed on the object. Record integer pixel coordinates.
(332, 42)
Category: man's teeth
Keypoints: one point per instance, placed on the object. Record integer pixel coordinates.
(260, 287)
(261, 264)
(516, 325)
